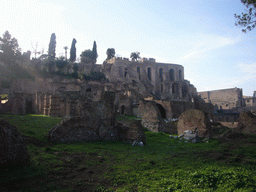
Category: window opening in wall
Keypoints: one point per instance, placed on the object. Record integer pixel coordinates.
(180, 74)
(149, 73)
(171, 74)
(122, 109)
(125, 72)
(138, 71)
(162, 88)
(161, 74)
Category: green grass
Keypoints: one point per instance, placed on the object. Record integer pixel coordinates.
(163, 164)
(4, 96)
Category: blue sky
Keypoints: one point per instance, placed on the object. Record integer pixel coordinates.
(198, 34)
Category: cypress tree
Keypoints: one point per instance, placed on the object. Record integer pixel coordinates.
(73, 51)
(52, 46)
(94, 50)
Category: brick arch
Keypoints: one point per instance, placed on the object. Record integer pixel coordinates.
(162, 110)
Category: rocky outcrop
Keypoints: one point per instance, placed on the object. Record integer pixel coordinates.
(195, 121)
(92, 128)
(247, 123)
(13, 151)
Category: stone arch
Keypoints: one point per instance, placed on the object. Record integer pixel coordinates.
(171, 74)
(162, 110)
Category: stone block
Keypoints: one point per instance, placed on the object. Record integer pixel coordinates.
(13, 151)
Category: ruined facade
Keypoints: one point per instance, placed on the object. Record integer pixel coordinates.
(164, 81)
(224, 98)
(137, 87)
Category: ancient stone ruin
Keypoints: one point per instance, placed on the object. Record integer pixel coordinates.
(247, 123)
(13, 151)
(156, 92)
(195, 121)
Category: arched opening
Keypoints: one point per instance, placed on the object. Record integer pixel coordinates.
(161, 74)
(162, 111)
(162, 88)
(171, 74)
(149, 73)
(138, 71)
(122, 109)
(125, 72)
(175, 88)
(180, 75)
(184, 91)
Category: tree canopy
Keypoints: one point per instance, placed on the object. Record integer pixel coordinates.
(247, 19)
(135, 56)
(87, 56)
(110, 53)
(52, 46)
(9, 47)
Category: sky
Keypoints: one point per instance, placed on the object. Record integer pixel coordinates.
(198, 34)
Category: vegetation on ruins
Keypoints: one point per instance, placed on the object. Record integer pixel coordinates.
(73, 51)
(9, 48)
(135, 56)
(247, 19)
(95, 76)
(52, 46)
(87, 56)
(9, 55)
(110, 53)
(164, 164)
(90, 56)
(61, 64)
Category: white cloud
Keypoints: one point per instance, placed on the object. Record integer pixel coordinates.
(247, 68)
(207, 43)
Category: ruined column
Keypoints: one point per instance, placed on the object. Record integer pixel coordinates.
(46, 104)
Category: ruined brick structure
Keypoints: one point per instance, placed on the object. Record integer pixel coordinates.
(132, 82)
(224, 98)
(163, 80)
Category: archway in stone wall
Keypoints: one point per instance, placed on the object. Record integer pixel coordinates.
(184, 90)
(171, 74)
(162, 111)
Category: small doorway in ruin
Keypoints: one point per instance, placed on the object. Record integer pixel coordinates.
(162, 110)
(29, 107)
(122, 109)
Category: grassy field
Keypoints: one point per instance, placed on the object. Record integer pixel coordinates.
(163, 164)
